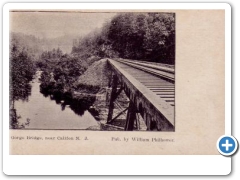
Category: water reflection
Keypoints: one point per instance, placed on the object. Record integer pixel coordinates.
(20, 92)
(25, 92)
(45, 111)
(77, 104)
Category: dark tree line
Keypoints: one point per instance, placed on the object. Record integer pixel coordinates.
(22, 70)
(142, 36)
(60, 72)
(54, 54)
(59, 79)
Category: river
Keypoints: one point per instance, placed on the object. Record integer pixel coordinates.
(41, 112)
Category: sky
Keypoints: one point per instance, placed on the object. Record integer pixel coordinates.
(56, 24)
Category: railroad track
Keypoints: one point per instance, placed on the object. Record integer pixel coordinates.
(159, 71)
(159, 80)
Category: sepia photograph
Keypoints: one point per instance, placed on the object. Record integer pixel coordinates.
(94, 71)
(84, 79)
(88, 85)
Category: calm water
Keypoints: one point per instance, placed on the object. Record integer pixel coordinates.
(44, 113)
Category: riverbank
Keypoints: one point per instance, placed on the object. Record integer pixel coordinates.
(90, 92)
(48, 112)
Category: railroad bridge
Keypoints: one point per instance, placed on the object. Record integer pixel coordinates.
(150, 89)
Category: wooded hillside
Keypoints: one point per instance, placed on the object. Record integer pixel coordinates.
(141, 36)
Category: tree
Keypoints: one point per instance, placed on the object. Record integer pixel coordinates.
(21, 73)
(142, 36)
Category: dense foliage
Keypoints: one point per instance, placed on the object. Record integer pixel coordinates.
(22, 70)
(145, 36)
(21, 73)
(60, 71)
(59, 76)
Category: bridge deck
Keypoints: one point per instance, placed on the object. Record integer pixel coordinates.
(159, 71)
(155, 90)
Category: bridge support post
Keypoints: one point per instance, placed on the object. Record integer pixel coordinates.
(131, 117)
(147, 120)
(112, 98)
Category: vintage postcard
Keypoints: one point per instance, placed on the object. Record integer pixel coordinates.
(103, 80)
(140, 82)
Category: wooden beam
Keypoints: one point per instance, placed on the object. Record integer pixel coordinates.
(131, 117)
(112, 98)
(118, 115)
